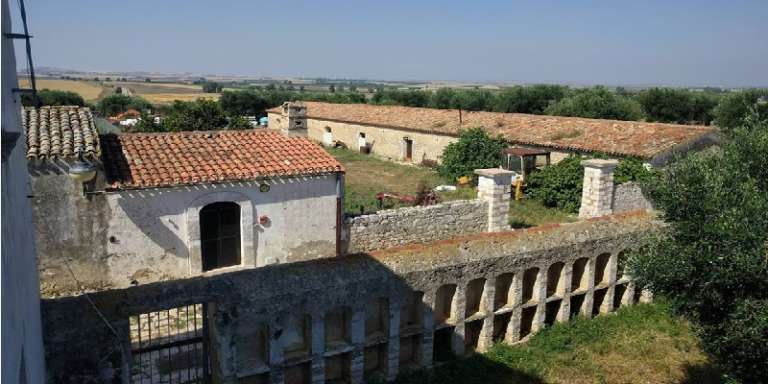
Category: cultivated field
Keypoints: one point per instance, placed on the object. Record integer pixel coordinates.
(89, 90)
(168, 98)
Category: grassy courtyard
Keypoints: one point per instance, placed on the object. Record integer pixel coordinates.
(639, 344)
(367, 175)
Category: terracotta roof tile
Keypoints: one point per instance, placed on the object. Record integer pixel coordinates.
(149, 160)
(627, 138)
(60, 132)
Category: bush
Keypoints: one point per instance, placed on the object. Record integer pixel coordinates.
(474, 150)
(558, 185)
(711, 261)
(631, 169)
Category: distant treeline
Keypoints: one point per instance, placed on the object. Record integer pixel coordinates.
(667, 105)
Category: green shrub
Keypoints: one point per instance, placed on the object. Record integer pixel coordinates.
(711, 260)
(558, 185)
(630, 169)
(474, 150)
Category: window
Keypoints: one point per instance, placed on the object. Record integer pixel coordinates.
(220, 235)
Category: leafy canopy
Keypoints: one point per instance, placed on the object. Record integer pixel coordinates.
(680, 106)
(115, 104)
(711, 261)
(734, 109)
(474, 150)
(597, 103)
(53, 97)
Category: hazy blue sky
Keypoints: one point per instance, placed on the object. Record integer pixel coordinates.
(684, 42)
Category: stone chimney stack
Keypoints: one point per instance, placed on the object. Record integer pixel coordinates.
(597, 191)
(294, 115)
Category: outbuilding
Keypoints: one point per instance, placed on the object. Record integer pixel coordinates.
(174, 205)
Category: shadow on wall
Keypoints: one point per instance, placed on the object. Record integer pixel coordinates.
(349, 319)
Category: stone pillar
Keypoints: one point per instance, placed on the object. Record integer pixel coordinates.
(318, 348)
(597, 192)
(495, 186)
(357, 336)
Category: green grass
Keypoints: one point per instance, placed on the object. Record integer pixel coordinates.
(367, 175)
(639, 344)
(530, 213)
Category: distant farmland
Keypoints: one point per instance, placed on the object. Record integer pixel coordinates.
(168, 98)
(89, 90)
(155, 93)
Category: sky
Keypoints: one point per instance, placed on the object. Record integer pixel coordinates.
(611, 42)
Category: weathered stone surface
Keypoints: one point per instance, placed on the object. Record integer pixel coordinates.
(81, 347)
(394, 227)
(629, 197)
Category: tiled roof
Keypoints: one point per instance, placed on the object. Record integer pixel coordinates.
(627, 138)
(60, 132)
(149, 160)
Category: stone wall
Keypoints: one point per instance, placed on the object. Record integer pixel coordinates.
(394, 227)
(358, 317)
(629, 197)
(600, 196)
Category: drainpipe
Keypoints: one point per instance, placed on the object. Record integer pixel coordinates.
(339, 210)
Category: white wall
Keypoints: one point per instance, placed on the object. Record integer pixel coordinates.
(21, 329)
(156, 232)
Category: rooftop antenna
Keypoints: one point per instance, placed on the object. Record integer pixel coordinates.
(30, 66)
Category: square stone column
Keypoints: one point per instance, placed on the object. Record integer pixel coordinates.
(597, 191)
(494, 186)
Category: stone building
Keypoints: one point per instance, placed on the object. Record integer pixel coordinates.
(174, 205)
(417, 134)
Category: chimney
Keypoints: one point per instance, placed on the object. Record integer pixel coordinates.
(294, 115)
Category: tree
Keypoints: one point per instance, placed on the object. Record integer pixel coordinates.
(474, 150)
(680, 106)
(711, 261)
(331, 88)
(51, 97)
(115, 104)
(211, 87)
(558, 185)
(534, 99)
(733, 109)
(597, 103)
(244, 103)
(146, 123)
(239, 122)
(199, 115)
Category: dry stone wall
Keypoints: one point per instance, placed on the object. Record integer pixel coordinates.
(353, 319)
(394, 227)
(629, 197)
